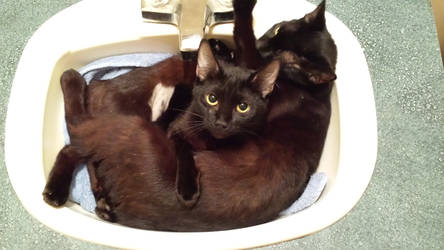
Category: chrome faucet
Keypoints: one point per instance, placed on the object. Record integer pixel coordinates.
(192, 17)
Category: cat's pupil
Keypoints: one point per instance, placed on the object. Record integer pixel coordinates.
(243, 106)
(212, 98)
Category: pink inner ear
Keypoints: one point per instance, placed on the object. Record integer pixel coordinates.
(322, 77)
(206, 62)
(266, 77)
(315, 73)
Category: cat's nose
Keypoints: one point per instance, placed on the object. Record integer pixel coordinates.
(221, 124)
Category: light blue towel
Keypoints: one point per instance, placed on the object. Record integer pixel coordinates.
(110, 67)
(311, 194)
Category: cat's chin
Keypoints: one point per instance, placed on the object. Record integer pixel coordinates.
(218, 134)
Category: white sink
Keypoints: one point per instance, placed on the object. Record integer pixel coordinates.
(93, 29)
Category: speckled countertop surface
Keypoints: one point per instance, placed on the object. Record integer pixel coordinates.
(403, 207)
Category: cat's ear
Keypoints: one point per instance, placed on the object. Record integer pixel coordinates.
(316, 18)
(265, 78)
(317, 71)
(320, 76)
(206, 62)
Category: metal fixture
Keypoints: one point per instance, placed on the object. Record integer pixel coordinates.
(192, 17)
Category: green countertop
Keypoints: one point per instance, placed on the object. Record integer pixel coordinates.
(403, 207)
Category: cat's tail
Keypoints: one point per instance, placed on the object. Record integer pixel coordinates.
(74, 94)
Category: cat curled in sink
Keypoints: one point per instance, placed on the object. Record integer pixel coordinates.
(147, 179)
(236, 181)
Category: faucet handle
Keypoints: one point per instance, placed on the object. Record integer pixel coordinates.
(161, 11)
(220, 11)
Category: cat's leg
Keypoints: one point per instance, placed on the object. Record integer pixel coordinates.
(74, 94)
(187, 176)
(57, 187)
(246, 54)
(103, 209)
(96, 188)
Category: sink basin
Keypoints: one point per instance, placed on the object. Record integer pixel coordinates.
(90, 30)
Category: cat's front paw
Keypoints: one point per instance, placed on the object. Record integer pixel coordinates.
(55, 195)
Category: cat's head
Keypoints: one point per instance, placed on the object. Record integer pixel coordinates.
(304, 46)
(231, 100)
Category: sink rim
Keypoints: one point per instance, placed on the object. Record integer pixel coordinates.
(62, 219)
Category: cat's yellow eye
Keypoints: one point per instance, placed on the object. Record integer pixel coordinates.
(211, 99)
(276, 31)
(242, 107)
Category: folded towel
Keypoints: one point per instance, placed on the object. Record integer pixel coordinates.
(110, 67)
(311, 194)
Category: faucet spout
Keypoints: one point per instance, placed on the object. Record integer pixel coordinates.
(192, 17)
(192, 22)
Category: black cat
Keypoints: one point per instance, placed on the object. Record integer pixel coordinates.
(305, 47)
(237, 181)
(137, 172)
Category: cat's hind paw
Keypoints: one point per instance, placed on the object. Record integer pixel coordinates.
(103, 210)
(55, 197)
